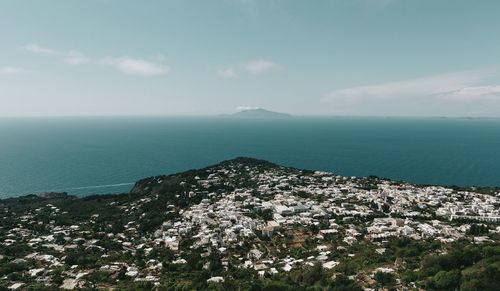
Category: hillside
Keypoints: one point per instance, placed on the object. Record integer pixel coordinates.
(247, 224)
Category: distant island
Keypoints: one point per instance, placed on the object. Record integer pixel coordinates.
(259, 113)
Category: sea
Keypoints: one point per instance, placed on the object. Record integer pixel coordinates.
(98, 155)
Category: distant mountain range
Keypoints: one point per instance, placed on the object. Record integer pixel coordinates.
(258, 113)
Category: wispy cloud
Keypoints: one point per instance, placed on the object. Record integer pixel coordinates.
(440, 85)
(261, 66)
(447, 93)
(37, 49)
(473, 94)
(76, 58)
(71, 57)
(254, 67)
(153, 66)
(229, 73)
(9, 70)
(137, 66)
(243, 108)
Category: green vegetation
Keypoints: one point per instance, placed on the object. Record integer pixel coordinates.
(153, 238)
(464, 267)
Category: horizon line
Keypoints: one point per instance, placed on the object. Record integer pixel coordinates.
(222, 115)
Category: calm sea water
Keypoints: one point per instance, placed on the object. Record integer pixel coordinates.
(107, 155)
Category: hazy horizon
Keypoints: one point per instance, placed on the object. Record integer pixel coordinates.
(224, 114)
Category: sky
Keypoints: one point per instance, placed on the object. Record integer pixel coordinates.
(182, 57)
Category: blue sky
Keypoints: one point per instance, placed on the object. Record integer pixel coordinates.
(338, 57)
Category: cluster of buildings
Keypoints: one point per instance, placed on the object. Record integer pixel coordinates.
(321, 204)
(254, 216)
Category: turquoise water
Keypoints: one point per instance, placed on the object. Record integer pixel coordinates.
(107, 155)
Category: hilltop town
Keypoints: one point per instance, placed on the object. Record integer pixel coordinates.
(247, 224)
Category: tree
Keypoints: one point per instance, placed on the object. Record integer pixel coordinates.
(478, 229)
(267, 214)
(313, 275)
(386, 279)
(447, 280)
(314, 228)
(343, 283)
(215, 263)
